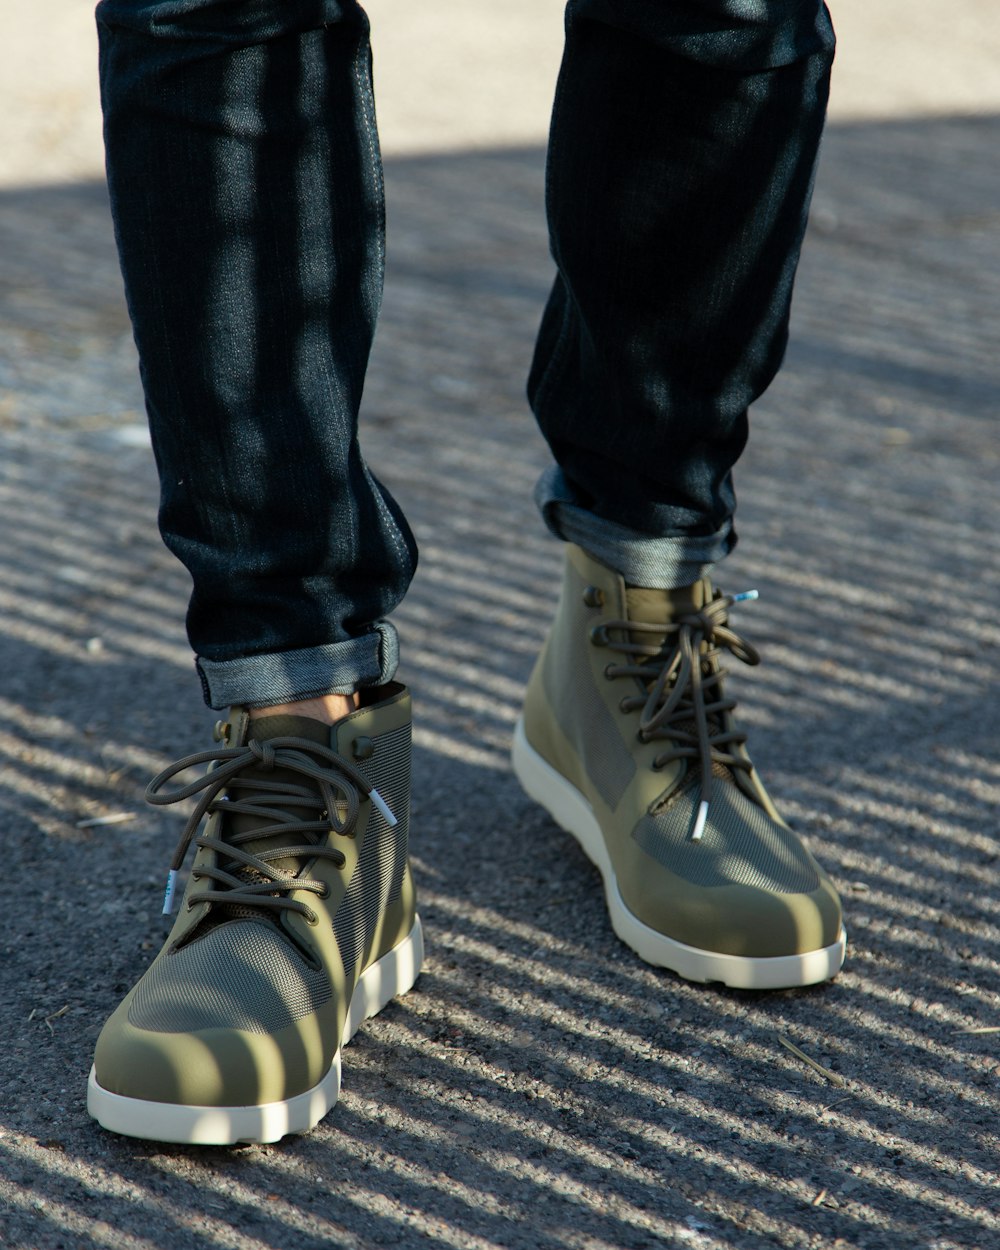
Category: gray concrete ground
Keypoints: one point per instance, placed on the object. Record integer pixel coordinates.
(540, 1088)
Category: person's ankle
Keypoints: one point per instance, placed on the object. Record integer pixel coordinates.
(328, 708)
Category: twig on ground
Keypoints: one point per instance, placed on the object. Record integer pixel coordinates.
(832, 1077)
(55, 1016)
(119, 818)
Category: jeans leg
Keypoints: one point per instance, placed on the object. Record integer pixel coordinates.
(681, 163)
(246, 188)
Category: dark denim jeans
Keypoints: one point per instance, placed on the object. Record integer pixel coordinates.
(247, 194)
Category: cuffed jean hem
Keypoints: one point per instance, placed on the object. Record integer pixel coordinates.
(286, 676)
(642, 559)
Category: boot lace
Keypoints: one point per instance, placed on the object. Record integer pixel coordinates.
(298, 818)
(682, 700)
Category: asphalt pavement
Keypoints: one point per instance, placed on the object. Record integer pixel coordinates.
(539, 1087)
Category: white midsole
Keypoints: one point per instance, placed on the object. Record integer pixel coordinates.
(569, 809)
(389, 977)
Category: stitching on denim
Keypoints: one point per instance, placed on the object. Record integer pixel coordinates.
(367, 96)
(554, 367)
(368, 114)
(395, 533)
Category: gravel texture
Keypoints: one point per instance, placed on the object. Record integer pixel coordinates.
(539, 1087)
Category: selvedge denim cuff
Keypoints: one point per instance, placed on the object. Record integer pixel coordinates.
(643, 560)
(286, 676)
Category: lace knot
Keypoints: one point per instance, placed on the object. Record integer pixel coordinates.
(703, 622)
(263, 752)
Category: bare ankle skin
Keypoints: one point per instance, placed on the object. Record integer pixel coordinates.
(328, 708)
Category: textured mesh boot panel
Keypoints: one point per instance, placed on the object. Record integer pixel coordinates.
(741, 845)
(378, 878)
(240, 975)
(576, 703)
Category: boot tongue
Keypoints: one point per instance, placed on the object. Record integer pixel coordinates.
(265, 729)
(660, 607)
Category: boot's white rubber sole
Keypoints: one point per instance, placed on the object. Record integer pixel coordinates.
(385, 980)
(569, 809)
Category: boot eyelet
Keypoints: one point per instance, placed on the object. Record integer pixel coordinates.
(324, 893)
(599, 636)
(362, 748)
(623, 705)
(312, 918)
(593, 597)
(609, 672)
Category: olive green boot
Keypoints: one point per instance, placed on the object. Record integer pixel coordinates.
(298, 922)
(629, 742)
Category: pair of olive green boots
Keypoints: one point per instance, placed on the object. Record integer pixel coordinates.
(299, 918)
